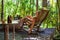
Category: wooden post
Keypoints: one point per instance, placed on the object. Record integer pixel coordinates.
(13, 32)
(2, 10)
(6, 32)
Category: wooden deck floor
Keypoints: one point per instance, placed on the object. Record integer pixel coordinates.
(23, 35)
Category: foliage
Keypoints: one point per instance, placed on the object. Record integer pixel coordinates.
(52, 18)
(28, 7)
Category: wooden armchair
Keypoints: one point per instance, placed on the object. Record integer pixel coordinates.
(34, 21)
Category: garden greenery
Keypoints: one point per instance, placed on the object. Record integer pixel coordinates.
(28, 7)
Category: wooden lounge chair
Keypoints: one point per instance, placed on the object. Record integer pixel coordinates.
(34, 21)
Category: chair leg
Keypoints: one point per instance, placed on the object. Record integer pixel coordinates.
(31, 27)
(38, 28)
(21, 23)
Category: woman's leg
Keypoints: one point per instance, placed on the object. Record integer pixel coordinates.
(21, 23)
(31, 27)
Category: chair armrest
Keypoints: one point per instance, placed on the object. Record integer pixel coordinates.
(30, 18)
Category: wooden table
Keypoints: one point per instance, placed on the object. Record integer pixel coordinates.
(6, 29)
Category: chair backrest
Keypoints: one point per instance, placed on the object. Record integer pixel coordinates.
(41, 15)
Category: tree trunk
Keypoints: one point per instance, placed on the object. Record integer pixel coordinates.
(44, 4)
(36, 5)
(58, 3)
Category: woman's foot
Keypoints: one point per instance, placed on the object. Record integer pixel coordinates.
(29, 32)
